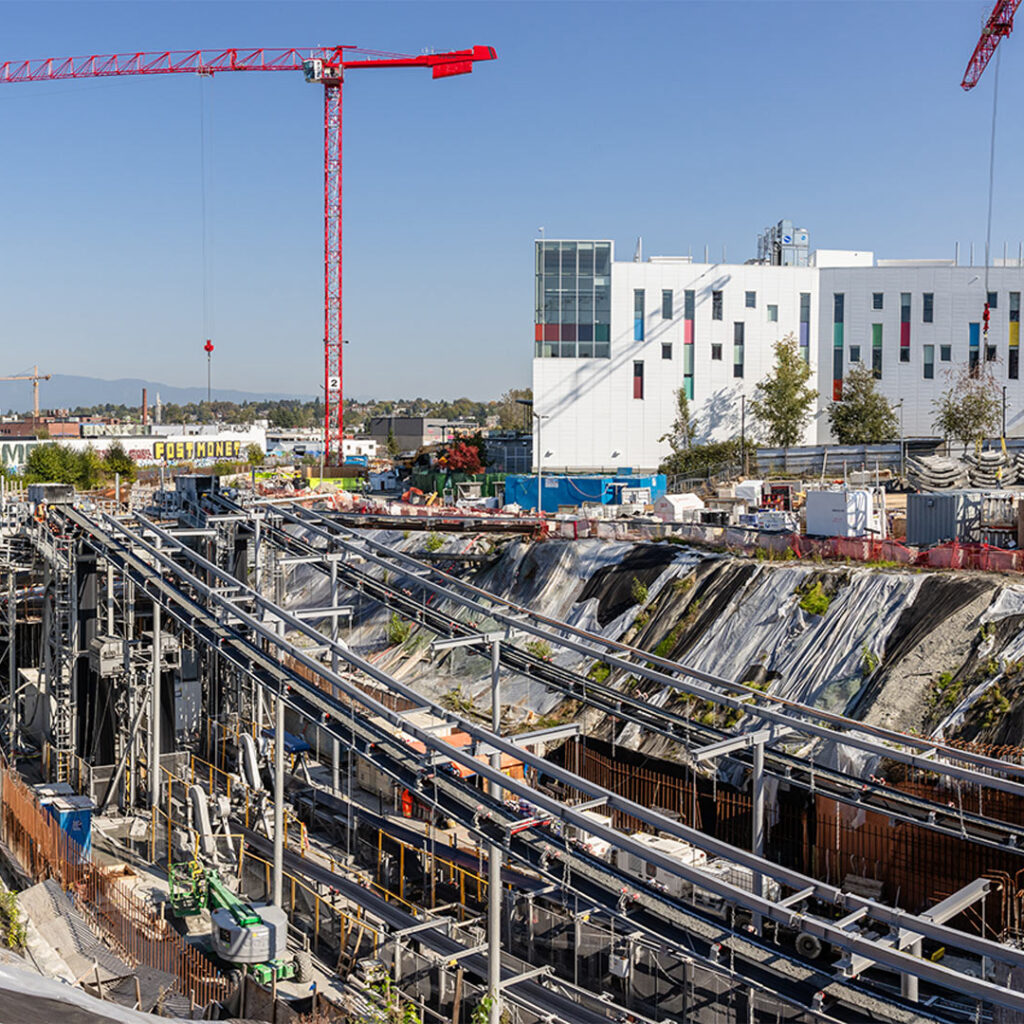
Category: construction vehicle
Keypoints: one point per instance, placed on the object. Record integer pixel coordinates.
(251, 938)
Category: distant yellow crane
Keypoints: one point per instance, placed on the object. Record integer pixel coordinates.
(35, 376)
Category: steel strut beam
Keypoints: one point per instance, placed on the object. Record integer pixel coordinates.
(872, 739)
(989, 832)
(827, 930)
(251, 659)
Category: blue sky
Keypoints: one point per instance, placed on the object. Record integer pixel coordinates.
(687, 123)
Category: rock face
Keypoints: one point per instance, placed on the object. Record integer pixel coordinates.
(912, 650)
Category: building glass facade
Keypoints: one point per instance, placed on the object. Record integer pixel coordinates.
(572, 318)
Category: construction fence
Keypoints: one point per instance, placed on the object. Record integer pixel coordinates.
(132, 927)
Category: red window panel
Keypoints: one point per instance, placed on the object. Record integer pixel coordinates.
(551, 332)
(687, 332)
(837, 391)
(904, 335)
(538, 332)
(638, 380)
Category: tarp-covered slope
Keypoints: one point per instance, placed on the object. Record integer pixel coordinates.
(874, 643)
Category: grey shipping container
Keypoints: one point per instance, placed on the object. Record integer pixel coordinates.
(937, 518)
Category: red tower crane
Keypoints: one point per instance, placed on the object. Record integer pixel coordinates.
(323, 65)
(999, 24)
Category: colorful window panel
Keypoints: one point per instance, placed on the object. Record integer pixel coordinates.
(876, 351)
(973, 347)
(689, 304)
(805, 325)
(638, 379)
(838, 318)
(638, 314)
(904, 327)
(1013, 353)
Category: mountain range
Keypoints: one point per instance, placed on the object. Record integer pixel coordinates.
(65, 391)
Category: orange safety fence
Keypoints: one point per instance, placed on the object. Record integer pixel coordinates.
(129, 925)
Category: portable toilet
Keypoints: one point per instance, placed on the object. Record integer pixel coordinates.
(74, 815)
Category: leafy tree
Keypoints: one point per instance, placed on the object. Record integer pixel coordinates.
(254, 455)
(969, 410)
(462, 457)
(701, 459)
(56, 463)
(512, 415)
(864, 416)
(683, 431)
(117, 460)
(783, 400)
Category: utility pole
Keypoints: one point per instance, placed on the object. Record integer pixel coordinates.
(154, 712)
(493, 849)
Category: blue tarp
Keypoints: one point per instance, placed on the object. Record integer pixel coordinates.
(574, 490)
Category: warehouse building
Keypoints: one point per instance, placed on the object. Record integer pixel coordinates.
(615, 340)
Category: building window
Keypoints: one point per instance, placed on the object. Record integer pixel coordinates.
(805, 325)
(688, 370)
(716, 305)
(773, 314)
(877, 300)
(716, 351)
(838, 315)
(973, 348)
(751, 300)
(689, 301)
(666, 304)
(738, 334)
(855, 353)
(876, 351)
(993, 300)
(929, 361)
(666, 350)
(638, 379)
(904, 327)
(638, 315)
(928, 307)
(945, 353)
(990, 354)
(1013, 352)
(573, 299)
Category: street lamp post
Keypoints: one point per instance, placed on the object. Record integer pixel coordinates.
(540, 450)
(903, 471)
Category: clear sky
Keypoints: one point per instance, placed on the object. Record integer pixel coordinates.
(688, 123)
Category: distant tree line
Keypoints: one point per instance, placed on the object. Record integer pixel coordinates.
(293, 414)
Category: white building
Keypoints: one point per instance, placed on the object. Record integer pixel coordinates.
(614, 341)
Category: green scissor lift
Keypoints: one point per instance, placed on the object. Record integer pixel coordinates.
(194, 889)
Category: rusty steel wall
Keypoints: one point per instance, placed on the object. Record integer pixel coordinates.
(130, 926)
(830, 841)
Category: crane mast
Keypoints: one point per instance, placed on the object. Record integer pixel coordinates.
(322, 65)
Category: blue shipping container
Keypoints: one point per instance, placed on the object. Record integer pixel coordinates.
(559, 490)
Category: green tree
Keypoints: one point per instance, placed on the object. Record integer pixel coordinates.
(117, 460)
(254, 455)
(392, 444)
(969, 410)
(683, 431)
(512, 415)
(864, 416)
(48, 463)
(783, 400)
